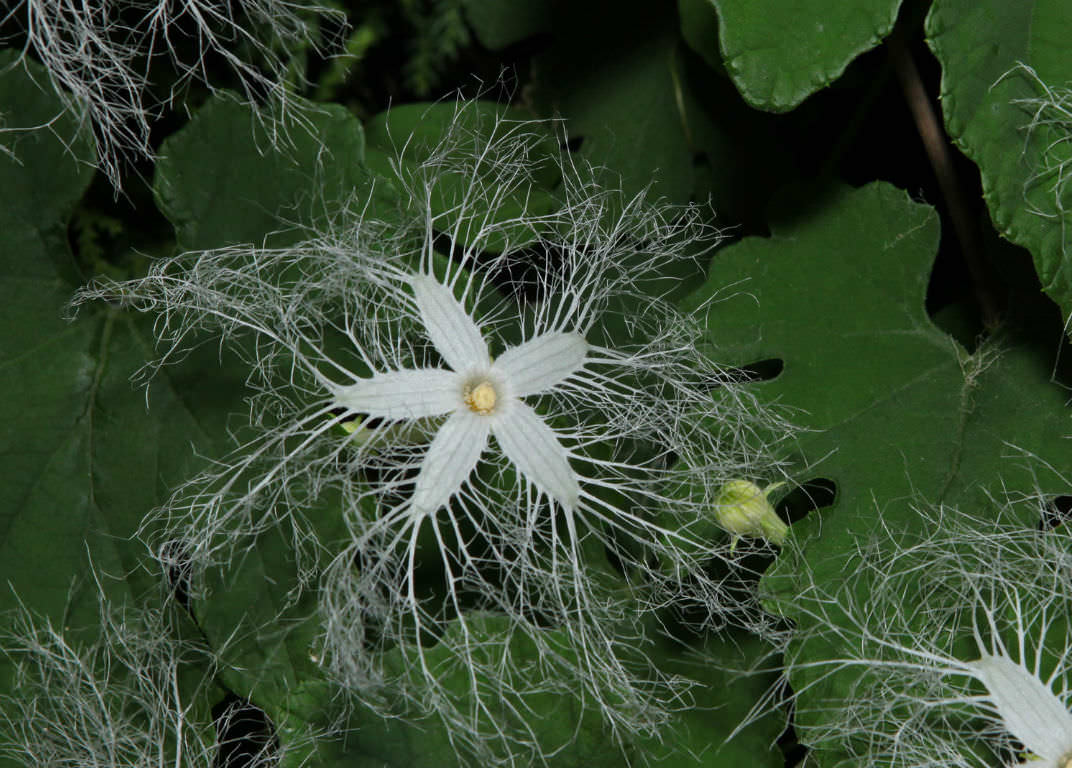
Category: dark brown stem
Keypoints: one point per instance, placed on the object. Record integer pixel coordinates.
(937, 145)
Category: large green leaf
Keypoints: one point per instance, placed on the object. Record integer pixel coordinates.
(896, 404)
(47, 367)
(902, 415)
(271, 651)
(81, 459)
(643, 107)
(222, 180)
(779, 52)
(501, 23)
(980, 45)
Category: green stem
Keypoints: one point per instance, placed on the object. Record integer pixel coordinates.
(936, 143)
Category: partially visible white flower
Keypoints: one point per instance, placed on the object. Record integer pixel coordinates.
(553, 460)
(126, 692)
(949, 646)
(102, 57)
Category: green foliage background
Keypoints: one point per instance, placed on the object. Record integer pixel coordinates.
(841, 289)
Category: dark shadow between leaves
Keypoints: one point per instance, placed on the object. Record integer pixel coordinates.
(814, 494)
(794, 753)
(245, 735)
(1057, 512)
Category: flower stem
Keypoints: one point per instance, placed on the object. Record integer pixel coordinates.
(936, 143)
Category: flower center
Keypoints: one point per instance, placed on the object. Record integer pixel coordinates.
(481, 398)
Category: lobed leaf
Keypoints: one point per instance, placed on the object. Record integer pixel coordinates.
(81, 459)
(997, 61)
(779, 52)
(900, 412)
(222, 180)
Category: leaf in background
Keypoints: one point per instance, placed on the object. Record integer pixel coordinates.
(979, 45)
(501, 23)
(643, 107)
(901, 412)
(410, 134)
(271, 653)
(779, 52)
(81, 458)
(48, 368)
(221, 181)
(699, 28)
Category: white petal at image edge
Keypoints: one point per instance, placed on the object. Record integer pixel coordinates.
(534, 448)
(455, 336)
(1029, 709)
(540, 363)
(405, 394)
(450, 460)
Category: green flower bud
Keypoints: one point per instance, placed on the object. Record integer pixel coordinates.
(743, 509)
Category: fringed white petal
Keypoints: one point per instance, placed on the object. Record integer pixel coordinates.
(533, 447)
(405, 394)
(1028, 708)
(455, 336)
(451, 458)
(540, 363)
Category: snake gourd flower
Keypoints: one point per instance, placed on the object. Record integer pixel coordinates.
(481, 399)
(481, 375)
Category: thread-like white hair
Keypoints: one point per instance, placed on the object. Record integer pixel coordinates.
(128, 691)
(1047, 136)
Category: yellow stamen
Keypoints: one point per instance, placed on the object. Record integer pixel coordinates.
(481, 398)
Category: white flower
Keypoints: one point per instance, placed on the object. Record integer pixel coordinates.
(482, 398)
(551, 462)
(951, 648)
(131, 692)
(98, 60)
